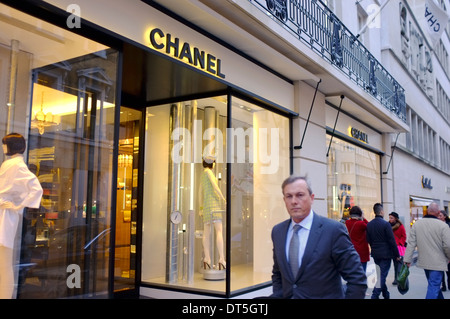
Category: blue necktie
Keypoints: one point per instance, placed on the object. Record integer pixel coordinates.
(293, 251)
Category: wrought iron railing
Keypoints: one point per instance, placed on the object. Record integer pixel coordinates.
(319, 28)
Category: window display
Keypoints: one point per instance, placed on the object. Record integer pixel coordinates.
(191, 225)
(63, 104)
(177, 221)
(353, 179)
(256, 202)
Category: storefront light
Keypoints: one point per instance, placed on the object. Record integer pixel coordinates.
(42, 120)
(56, 105)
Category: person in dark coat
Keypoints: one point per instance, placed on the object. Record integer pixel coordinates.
(357, 226)
(383, 248)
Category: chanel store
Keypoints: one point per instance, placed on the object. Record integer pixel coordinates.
(160, 158)
(354, 166)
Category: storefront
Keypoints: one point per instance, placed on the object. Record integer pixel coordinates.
(354, 165)
(417, 185)
(418, 207)
(117, 126)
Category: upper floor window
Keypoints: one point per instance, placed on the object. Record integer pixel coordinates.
(442, 55)
(421, 140)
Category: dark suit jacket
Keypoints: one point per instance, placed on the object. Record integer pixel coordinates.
(381, 239)
(329, 256)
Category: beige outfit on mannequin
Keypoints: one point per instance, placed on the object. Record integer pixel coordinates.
(19, 188)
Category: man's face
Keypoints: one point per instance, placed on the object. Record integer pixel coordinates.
(298, 200)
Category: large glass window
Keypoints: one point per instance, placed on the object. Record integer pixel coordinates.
(60, 90)
(353, 179)
(256, 199)
(186, 221)
(173, 229)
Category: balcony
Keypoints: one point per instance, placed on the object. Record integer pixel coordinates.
(318, 27)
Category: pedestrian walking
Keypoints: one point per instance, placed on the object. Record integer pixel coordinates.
(357, 226)
(312, 253)
(400, 240)
(383, 249)
(431, 237)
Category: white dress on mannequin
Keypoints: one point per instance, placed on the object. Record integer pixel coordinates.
(19, 188)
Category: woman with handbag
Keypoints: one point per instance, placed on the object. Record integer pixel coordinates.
(400, 239)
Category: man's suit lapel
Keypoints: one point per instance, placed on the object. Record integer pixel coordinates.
(313, 239)
(282, 248)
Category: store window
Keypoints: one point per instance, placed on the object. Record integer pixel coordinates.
(418, 207)
(187, 240)
(353, 179)
(61, 97)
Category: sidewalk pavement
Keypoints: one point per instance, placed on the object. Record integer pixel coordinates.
(417, 285)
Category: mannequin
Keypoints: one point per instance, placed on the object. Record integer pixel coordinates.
(212, 197)
(19, 188)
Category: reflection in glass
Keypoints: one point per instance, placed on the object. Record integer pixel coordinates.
(70, 147)
(64, 105)
(256, 199)
(353, 179)
(179, 225)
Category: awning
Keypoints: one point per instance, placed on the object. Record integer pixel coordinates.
(421, 201)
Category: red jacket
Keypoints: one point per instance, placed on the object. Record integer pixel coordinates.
(399, 234)
(357, 231)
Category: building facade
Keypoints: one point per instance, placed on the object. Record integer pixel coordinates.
(122, 103)
(420, 169)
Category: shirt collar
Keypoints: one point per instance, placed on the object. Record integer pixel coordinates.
(305, 223)
(15, 158)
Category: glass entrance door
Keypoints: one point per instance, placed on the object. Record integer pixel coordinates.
(65, 246)
(127, 200)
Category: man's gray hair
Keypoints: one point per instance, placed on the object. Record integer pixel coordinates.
(293, 178)
(433, 209)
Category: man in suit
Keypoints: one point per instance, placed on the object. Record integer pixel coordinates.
(324, 254)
